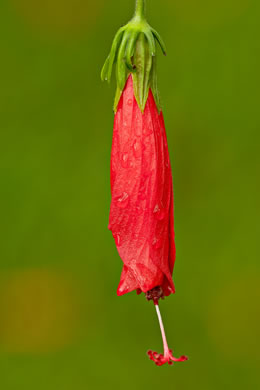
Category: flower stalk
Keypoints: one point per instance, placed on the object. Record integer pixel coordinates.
(140, 9)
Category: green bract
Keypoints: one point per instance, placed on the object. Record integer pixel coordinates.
(134, 52)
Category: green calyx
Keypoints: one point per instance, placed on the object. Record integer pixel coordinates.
(134, 52)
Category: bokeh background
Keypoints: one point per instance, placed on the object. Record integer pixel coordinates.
(61, 324)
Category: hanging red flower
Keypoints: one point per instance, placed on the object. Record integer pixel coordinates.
(141, 214)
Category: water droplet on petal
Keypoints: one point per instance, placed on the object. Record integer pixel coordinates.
(122, 200)
(125, 160)
(167, 161)
(157, 243)
(139, 210)
(138, 128)
(159, 213)
(142, 192)
(137, 147)
(143, 188)
(129, 102)
(117, 239)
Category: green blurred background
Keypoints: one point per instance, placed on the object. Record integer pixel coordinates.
(61, 324)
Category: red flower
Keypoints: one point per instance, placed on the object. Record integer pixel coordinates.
(141, 215)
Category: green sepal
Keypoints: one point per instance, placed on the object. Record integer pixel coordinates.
(108, 66)
(154, 86)
(159, 40)
(143, 63)
(134, 52)
(130, 50)
(104, 70)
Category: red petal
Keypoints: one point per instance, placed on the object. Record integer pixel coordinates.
(141, 214)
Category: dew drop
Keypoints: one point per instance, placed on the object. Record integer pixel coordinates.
(159, 213)
(146, 166)
(156, 209)
(138, 210)
(138, 129)
(137, 149)
(157, 243)
(125, 160)
(122, 200)
(143, 188)
(117, 238)
(129, 102)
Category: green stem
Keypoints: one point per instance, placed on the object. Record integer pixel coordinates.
(140, 9)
